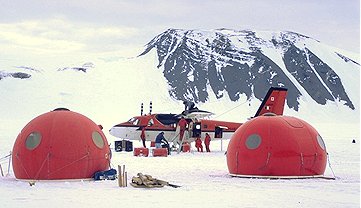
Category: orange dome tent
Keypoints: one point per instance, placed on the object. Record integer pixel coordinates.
(60, 144)
(276, 146)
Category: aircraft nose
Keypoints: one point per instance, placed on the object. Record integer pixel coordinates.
(111, 131)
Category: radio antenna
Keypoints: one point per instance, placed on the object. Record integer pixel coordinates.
(141, 109)
(150, 107)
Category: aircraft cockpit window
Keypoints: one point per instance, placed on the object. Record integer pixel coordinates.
(150, 122)
(134, 121)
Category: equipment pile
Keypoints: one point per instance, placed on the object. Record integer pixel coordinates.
(147, 181)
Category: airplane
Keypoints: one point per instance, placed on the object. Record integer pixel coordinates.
(198, 125)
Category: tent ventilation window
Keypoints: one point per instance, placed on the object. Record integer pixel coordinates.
(321, 142)
(33, 140)
(253, 141)
(97, 139)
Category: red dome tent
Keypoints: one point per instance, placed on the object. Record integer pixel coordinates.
(276, 146)
(60, 144)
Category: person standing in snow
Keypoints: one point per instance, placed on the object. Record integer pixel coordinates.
(142, 136)
(207, 142)
(199, 145)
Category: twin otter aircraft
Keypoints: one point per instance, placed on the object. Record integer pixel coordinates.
(198, 126)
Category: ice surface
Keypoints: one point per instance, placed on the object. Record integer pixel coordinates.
(205, 183)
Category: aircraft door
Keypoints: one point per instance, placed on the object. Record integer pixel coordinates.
(196, 130)
(218, 132)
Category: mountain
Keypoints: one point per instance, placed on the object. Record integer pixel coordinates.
(224, 71)
(224, 62)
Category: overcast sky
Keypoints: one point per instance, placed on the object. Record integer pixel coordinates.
(109, 26)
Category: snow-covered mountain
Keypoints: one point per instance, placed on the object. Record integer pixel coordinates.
(230, 63)
(226, 72)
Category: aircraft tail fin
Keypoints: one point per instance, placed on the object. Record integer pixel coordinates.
(273, 102)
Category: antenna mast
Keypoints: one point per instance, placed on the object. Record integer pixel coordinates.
(150, 107)
(141, 109)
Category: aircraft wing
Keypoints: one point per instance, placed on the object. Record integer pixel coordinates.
(199, 114)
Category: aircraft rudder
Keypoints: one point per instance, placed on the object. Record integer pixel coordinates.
(273, 102)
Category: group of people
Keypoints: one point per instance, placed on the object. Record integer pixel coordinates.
(207, 141)
(182, 124)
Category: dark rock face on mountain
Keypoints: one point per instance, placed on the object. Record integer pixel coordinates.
(84, 68)
(226, 62)
(19, 75)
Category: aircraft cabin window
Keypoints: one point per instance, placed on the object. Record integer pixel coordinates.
(150, 122)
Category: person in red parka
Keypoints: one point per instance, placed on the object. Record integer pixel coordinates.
(207, 142)
(182, 123)
(199, 145)
(142, 136)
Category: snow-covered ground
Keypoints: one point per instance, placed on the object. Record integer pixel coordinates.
(204, 182)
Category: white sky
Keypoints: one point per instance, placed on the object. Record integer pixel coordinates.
(30, 28)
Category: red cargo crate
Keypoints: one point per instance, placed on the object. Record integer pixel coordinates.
(160, 152)
(186, 147)
(141, 151)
